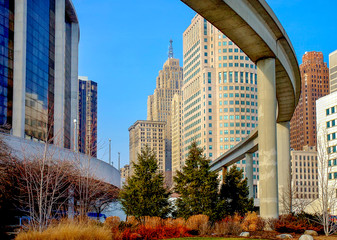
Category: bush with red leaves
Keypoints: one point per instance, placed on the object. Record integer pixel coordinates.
(159, 232)
(293, 224)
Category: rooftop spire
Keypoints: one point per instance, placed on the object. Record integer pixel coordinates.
(170, 53)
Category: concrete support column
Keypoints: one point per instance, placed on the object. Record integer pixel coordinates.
(267, 104)
(249, 172)
(74, 83)
(283, 165)
(19, 71)
(59, 72)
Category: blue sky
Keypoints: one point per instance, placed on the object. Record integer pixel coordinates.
(124, 44)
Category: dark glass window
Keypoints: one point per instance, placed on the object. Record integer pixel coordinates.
(6, 62)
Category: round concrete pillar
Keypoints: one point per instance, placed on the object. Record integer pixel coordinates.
(283, 165)
(267, 103)
(249, 173)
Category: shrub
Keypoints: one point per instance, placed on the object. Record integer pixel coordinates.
(152, 222)
(159, 232)
(198, 223)
(112, 222)
(178, 222)
(68, 230)
(228, 226)
(291, 223)
(252, 222)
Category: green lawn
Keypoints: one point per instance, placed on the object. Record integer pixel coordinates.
(210, 238)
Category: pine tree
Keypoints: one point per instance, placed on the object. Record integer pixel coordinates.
(197, 186)
(234, 193)
(144, 193)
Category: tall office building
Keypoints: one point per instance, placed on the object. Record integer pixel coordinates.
(219, 92)
(150, 133)
(168, 83)
(87, 117)
(38, 69)
(333, 71)
(315, 84)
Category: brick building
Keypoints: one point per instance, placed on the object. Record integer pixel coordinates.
(315, 84)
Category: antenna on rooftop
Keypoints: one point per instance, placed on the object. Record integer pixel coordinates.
(170, 54)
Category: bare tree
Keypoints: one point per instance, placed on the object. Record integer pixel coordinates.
(290, 201)
(326, 203)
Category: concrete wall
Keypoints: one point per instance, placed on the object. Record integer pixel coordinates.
(100, 169)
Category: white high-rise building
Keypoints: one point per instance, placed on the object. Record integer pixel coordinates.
(326, 112)
(219, 100)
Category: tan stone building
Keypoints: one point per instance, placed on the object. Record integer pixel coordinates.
(150, 133)
(168, 83)
(125, 173)
(219, 92)
(304, 173)
(333, 71)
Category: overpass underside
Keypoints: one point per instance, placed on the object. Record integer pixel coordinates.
(253, 27)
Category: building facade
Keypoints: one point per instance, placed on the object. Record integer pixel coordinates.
(176, 117)
(87, 117)
(304, 172)
(219, 100)
(327, 147)
(38, 77)
(168, 83)
(150, 133)
(333, 71)
(315, 84)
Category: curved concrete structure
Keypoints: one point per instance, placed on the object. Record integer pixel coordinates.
(101, 170)
(253, 27)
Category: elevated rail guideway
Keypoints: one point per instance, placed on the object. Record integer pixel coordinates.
(253, 27)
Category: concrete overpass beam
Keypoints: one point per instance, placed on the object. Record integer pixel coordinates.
(249, 172)
(267, 104)
(283, 164)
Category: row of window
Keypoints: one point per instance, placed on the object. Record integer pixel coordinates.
(231, 102)
(331, 110)
(248, 110)
(331, 136)
(331, 123)
(237, 95)
(237, 124)
(235, 65)
(225, 132)
(242, 88)
(237, 117)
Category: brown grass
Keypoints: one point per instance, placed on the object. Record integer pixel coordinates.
(66, 230)
(199, 223)
(112, 222)
(153, 222)
(178, 222)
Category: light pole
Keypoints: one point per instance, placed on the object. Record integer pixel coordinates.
(110, 151)
(75, 135)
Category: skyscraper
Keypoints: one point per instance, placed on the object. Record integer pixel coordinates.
(168, 83)
(315, 84)
(219, 102)
(38, 78)
(87, 117)
(333, 71)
